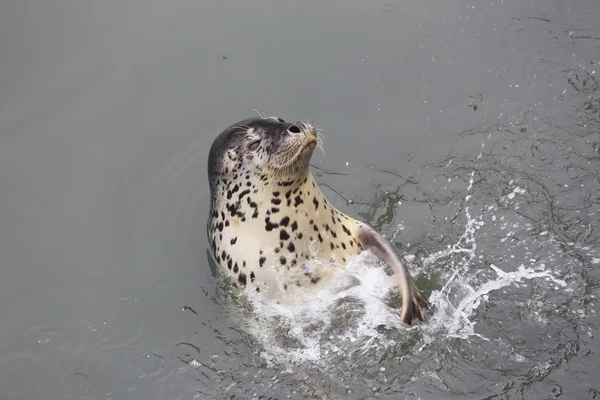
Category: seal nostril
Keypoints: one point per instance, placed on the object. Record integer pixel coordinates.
(296, 128)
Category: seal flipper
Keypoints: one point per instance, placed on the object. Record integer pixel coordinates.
(414, 304)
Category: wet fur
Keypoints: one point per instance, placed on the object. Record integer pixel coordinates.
(272, 229)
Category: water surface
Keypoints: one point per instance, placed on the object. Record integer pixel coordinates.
(469, 132)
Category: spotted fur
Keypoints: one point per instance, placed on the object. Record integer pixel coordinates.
(272, 221)
(270, 226)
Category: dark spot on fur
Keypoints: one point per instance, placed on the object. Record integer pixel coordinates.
(297, 201)
(261, 261)
(320, 238)
(315, 279)
(235, 268)
(270, 226)
(284, 221)
(232, 241)
(276, 201)
(316, 202)
(242, 278)
(294, 226)
(229, 263)
(282, 260)
(232, 208)
(343, 245)
(291, 248)
(283, 235)
(252, 277)
(346, 230)
(243, 193)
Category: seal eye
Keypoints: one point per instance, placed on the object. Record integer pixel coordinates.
(280, 119)
(254, 145)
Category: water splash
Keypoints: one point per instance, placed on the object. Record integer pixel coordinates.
(462, 294)
(349, 311)
(354, 314)
(455, 320)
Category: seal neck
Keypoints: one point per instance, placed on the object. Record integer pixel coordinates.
(291, 183)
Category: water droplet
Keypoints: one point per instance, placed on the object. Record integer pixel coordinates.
(195, 363)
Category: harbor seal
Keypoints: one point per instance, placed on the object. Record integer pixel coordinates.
(271, 228)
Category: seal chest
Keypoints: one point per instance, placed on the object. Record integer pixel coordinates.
(271, 228)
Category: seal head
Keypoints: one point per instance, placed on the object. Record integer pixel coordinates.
(263, 147)
(270, 226)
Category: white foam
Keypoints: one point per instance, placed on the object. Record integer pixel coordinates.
(363, 283)
(346, 316)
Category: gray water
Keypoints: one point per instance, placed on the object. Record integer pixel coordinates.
(468, 131)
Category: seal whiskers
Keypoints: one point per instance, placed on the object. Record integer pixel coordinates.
(270, 226)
